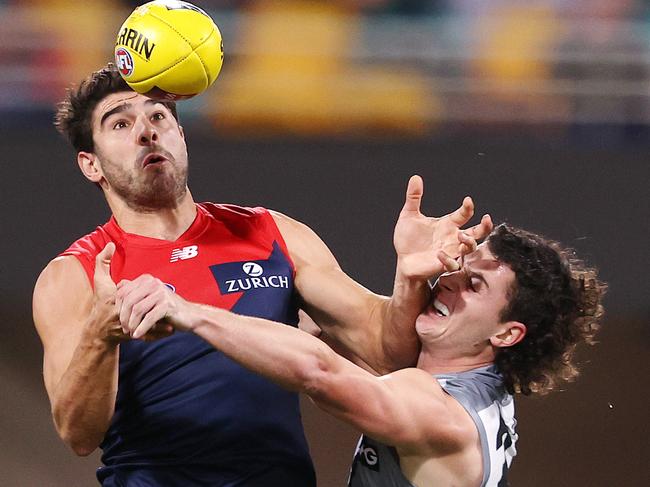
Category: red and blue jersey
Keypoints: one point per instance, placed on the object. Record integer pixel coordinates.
(185, 414)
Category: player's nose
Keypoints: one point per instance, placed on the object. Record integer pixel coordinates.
(146, 132)
(451, 281)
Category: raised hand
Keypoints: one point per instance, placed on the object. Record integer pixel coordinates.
(147, 308)
(428, 246)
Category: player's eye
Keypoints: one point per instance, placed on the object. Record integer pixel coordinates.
(158, 116)
(119, 125)
(473, 282)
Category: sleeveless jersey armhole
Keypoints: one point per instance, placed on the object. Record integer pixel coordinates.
(88, 265)
(272, 227)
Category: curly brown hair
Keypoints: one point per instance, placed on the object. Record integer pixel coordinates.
(73, 114)
(557, 297)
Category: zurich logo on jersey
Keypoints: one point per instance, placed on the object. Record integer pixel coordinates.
(237, 277)
(252, 269)
(262, 288)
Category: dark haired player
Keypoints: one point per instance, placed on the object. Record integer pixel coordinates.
(507, 321)
(174, 411)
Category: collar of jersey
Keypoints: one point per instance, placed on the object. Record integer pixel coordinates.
(198, 226)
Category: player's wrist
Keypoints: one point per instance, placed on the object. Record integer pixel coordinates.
(409, 274)
(101, 340)
(103, 329)
(409, 291)
(183, 315)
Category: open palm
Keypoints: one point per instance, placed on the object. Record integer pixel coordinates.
(423, 244)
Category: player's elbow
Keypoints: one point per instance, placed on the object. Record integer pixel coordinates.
(82, 450)
(318, 373)
(81, 442)
(81, 445)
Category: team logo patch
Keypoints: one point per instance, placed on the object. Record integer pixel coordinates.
(253, 269)
(124, 61)
(185, 253)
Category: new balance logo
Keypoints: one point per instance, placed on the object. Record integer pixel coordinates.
(185, 253)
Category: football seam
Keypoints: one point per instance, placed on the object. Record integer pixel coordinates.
(205, 71)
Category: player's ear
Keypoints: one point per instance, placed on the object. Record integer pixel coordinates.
(510, 333)
(180, 129)
(89, 166)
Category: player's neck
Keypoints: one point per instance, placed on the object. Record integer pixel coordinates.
(164, 223)
(438, 363)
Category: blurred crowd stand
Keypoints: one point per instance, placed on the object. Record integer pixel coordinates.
(369, 66)
(48, 44)
(297, 76)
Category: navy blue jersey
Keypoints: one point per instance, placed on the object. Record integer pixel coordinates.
(185, 414)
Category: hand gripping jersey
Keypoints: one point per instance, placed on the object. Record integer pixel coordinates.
(186, 415)
(481, 392)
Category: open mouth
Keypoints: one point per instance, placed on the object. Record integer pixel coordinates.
(153, 159)
(440, 309)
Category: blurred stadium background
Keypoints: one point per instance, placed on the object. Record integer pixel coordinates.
(540, 109)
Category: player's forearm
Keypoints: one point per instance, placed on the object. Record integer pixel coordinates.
(360, 323)
(83, 401)
(400, 341)
(287, 356)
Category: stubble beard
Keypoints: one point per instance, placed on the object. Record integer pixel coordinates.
(148, 189)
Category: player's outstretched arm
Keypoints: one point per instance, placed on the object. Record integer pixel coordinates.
(346, 311)
(378, 330)
(80, 332)
(407, 409)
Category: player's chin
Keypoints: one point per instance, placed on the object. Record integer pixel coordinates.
(430, 325)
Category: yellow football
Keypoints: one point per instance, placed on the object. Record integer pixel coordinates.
(169, 49)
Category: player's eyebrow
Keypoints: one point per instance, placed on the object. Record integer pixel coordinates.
(472, 273)
(118, 109)
(123, 107)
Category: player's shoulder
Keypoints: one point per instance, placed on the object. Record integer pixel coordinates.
(242, 219)
(442, 421)
(63, 278)
(476, 388)
(60, 272)
(90, 244)
(231, 212)
(80, 254)
(228, 211)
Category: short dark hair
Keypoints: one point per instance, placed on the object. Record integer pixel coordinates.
(73, 114)
(557, 297)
